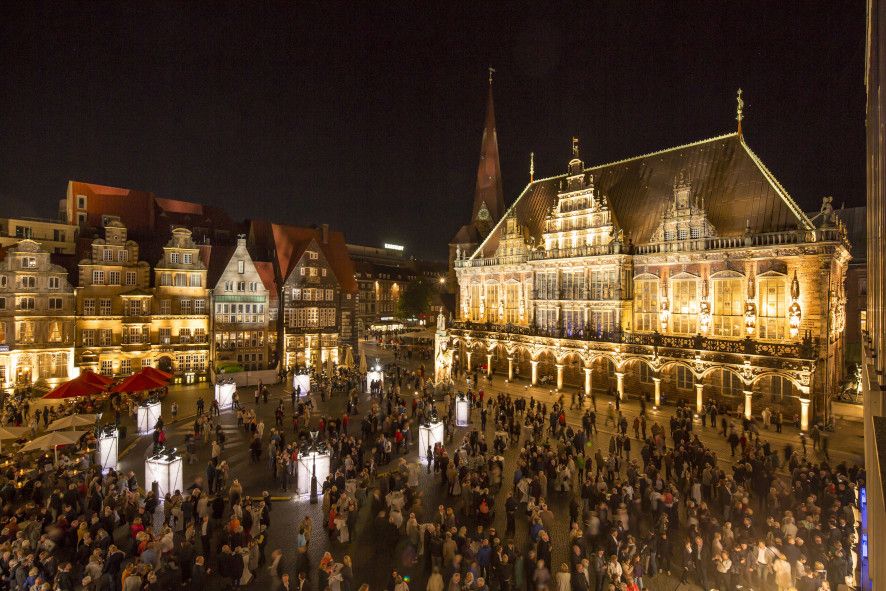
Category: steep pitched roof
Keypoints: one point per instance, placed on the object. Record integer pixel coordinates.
(488, 189)
(737, 190)
(266, 272)
(217, 262)
(288, 243)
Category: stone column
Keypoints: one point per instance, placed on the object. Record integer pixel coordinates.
(510, 368)
(534, 372)
(748, 395)
(804, 414)
(699, 397)
(489, 364)
(468, 354)
(620, 384)
(587, 381)
(560, 368)
(657, 382)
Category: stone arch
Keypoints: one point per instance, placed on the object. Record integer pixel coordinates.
(522, 362)
(676, 383)
(725, 385)
(603, 368)
(547, 368)
(638, 377)
(777, 391)
(573, 372)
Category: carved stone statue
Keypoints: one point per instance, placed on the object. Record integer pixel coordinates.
(441, 321)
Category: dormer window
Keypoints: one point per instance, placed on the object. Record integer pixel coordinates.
(682, 234)
(173, 257)
(695, 232)
(187, 258)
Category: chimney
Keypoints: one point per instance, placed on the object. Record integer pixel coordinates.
(324, 234)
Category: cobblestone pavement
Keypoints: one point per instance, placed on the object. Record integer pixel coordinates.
(373, 560)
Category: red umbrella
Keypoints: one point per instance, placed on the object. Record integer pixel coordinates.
(138, 383)
(95, 378)
(156, 374)
(74, 388)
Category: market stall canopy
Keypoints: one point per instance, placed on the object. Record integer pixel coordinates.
(363, 367)
(426, 334)
(71, 421)
(13, 432)
(87, 375)
(80, 386)
(53, 440)
(156, 374)
(139, 383)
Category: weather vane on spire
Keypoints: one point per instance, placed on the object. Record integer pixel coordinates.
(575, 147)
(739, 110)
(491, 72)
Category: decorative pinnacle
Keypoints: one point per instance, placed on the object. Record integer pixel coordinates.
(531, 166)
(575, 147)
(491, 72)
(739, 110)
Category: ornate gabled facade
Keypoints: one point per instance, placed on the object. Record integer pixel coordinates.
(36, 318)
(240, 314)
(180, 318)
(113, 302)
(684, 274)
(312, 310)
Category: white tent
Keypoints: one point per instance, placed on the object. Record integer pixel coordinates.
(13, 432)
(53, 441)
(72, 421)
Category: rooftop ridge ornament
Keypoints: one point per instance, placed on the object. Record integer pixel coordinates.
(491, 72)
(575, 148)
(739, 111)
(531, 166)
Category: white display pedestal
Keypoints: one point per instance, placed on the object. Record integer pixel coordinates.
(108, 443)
(166, 472)
(224, 394)
(306, 465)
(374, 376)
(301, 383)
(429, 436)
(462, 412)
(147, 416)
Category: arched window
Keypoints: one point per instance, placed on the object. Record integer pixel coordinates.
(772, 307)
(684, 306)
(729, 303)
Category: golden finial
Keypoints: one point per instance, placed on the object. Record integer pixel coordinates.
(739, 110)
(531, 166)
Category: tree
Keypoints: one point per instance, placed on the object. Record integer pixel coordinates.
(415, 299)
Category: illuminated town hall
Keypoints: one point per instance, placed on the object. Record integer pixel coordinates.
(684, 274)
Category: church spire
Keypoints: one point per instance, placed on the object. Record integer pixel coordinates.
(488, 195)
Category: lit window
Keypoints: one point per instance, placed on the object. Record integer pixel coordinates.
(241, 266)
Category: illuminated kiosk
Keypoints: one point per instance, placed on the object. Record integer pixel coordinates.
(430, 433)
(375, 375)
(164, 468)
(313, 463)
(462, 410)
(148, 413)
(224, 393)
(108, 443)
(301, 383)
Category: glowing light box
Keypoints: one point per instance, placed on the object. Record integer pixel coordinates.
(166, 471)
(462, 412)
(307, 464)
(224, 394)
(147, 416)
(108, 443)
(429, 435)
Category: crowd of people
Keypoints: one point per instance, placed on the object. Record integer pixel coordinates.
(523, 498)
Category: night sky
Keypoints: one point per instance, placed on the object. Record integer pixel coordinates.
(370, 118)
